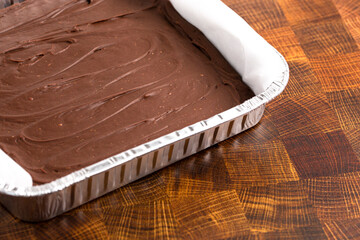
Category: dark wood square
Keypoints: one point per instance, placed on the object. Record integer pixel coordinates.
(303, 115)
(325, 38)
(278, 206)
(322, 154)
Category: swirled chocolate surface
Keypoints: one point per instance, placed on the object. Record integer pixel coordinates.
(81, 82)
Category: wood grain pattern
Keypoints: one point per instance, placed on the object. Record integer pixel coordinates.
(346, 104)
(353, 24)
(348, 8)
(350, 13)
(310, 113)
(302, 80)
(353, 136)
(335, 197)
(332, 146)
(260, 14)
(156, 221)
(260, 165)
(306, 11)
(276, 207)
(296, 175)
(345, 229)
(217, 215)
(285, 40)
(337, 72)
(325, 38)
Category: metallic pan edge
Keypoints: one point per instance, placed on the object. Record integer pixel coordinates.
(39, 203)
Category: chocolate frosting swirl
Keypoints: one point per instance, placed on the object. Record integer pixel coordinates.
(82, 82)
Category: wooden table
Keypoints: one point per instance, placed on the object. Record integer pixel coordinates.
(296, 175)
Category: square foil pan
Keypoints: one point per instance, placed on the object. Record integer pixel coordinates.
(262, 68)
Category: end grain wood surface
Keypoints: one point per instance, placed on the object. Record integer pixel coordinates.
(296, 175)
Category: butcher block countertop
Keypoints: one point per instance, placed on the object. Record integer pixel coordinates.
(296, 175)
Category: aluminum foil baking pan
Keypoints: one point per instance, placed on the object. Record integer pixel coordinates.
(262, 68)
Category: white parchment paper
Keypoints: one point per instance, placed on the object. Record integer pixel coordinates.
(243, 48)
(12, 174)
